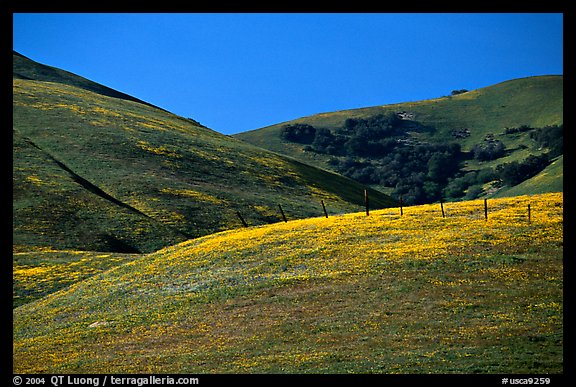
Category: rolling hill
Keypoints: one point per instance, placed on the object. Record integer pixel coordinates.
(507, 114)
(96, 169)
(385, 293)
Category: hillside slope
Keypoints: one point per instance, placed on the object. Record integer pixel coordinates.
(533, 101)
(25, 68)
(385, 293)
(94, 169)
(506, 115)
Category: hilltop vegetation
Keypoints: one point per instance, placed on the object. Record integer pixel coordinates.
(463, 146)
(385, 293)
(95, 169)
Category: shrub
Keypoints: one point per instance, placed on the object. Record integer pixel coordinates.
(300, 133)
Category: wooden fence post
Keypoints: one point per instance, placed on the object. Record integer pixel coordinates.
(486, 209)
(401, 210)
(442, 208)
(324, 208)
(241, 219)
(366, 202)
(529, 220)
(282, 212)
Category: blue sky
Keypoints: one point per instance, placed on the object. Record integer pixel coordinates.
(237, 72)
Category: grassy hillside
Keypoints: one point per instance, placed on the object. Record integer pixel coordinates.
(94, 169)
(534, 101)
(481, 115)
(384, 293)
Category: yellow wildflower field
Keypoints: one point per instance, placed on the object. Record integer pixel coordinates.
(384, 293)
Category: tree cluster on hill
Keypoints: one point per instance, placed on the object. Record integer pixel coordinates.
(551, 137)
(300, 133)
(378, 151)
(358, 137)
(489, 150)
(516, 172)
(468, 185)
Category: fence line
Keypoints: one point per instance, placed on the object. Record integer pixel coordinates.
(484, 211)
(401, 207)
(282, 212)
(324, 208)
(366, 202)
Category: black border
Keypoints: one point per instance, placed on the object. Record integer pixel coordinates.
(7, 8)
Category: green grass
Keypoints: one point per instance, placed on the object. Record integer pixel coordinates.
(416, 293)
(93, 170)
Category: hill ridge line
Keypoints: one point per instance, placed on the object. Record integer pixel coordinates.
(55, 74)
